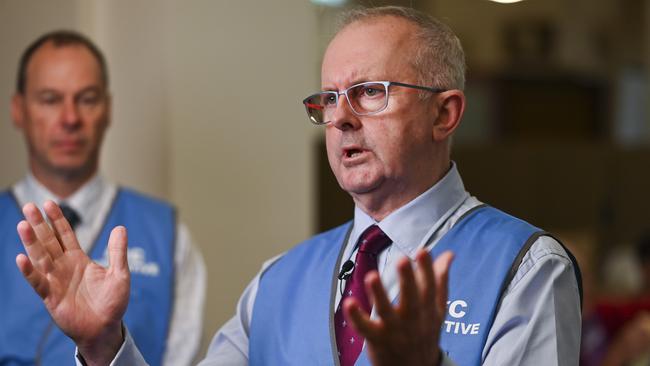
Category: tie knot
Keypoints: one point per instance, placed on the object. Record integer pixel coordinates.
(71, 215)
(373, 240)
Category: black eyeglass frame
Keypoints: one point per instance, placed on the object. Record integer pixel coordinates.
(386, 84)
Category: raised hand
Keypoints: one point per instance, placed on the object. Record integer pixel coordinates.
(408, 333)
(86, 300)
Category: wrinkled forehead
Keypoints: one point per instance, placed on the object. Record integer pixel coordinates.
(370, 50)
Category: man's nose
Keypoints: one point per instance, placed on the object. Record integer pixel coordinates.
(70, 114)
(343, 116)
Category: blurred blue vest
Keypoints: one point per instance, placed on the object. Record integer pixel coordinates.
(28, 336)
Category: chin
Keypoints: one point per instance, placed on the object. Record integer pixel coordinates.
(360, 187)
(70, 169)
(71, 166)
(360, 180)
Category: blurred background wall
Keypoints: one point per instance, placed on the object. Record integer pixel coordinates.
(207, 113)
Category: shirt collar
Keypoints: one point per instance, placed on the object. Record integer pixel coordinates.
(85, 201)
(411, 226)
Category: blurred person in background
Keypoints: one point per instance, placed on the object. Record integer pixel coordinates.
(62, 106)
(616, 323)
(629, 320)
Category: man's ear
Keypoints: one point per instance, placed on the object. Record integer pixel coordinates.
(451, 105)
(18, 110)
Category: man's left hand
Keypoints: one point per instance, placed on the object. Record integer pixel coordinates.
(407, 333)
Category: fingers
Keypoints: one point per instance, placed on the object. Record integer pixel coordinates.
(61, 226)
(359, 318)
(117, 243)
(427, 288)
(35, 279)
(441, 272)
(408, 288)
(379, 298)
(42, 230)
(420, 310)
(38, 255)
(425, 279)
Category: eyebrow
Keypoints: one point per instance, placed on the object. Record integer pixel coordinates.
(354, 82)
(355, 76)
(91, 88)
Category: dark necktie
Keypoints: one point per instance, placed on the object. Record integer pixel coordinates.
(372, 242)
(71, 215)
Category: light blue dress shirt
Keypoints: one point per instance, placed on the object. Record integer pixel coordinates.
(538, 320)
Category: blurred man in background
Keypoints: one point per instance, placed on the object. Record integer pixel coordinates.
(62, 106)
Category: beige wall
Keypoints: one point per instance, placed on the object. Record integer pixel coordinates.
(206, 113)
(20, 22)
(241, 148)
(137, 146)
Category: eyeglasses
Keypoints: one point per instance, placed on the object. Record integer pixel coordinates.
(364, 99)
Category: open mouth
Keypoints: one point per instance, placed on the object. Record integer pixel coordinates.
(352, 153)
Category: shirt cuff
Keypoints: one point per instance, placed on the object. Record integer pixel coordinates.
(128, 354)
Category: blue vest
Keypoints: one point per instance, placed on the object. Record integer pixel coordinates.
(27, 333)
(292, 320)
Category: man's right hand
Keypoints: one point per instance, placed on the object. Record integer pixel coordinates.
(86, 300)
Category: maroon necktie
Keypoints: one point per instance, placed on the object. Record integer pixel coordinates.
(349, 343)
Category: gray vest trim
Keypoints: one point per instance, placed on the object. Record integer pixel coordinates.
(517, 262)
(333, 290)
(429, 245)
(470, 211)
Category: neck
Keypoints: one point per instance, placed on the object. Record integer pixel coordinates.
(62, 184)
(383, 201)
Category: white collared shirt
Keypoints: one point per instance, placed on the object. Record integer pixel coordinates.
(92, 202)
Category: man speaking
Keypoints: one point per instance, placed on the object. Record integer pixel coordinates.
(368, 291)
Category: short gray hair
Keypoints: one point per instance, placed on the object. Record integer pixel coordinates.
(439, 59)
